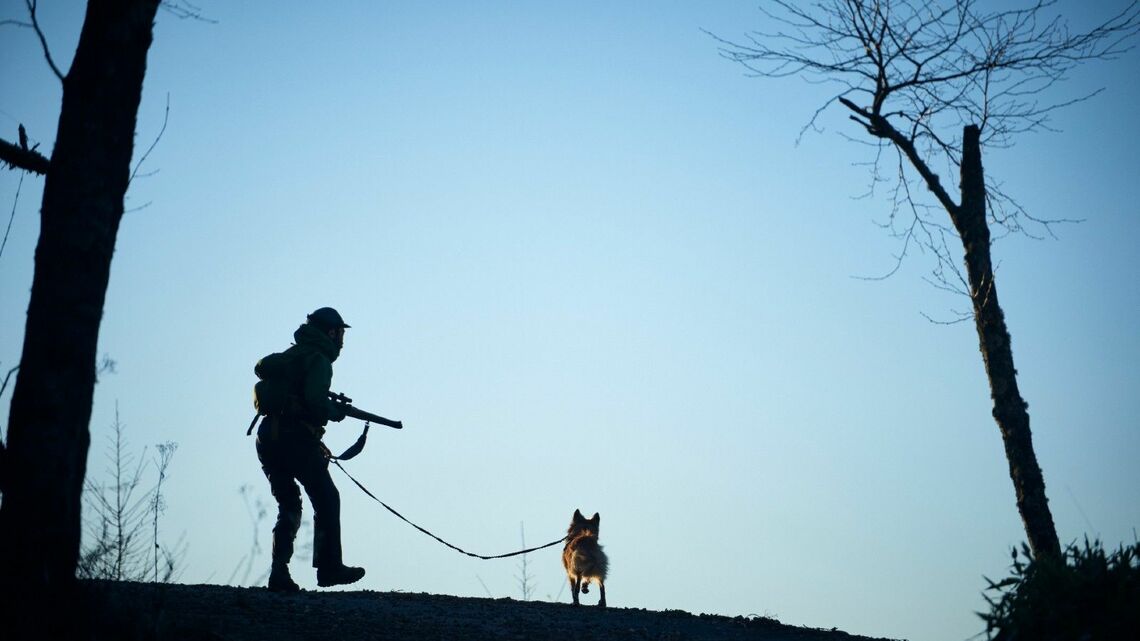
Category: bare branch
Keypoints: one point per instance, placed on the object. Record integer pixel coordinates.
(141, 207)
(4, 244)
(4, 386)
(31, 4)
(878, 126)
(24, 158)
(185, 10)
(962, 317)
(915, 74)
(165, 119)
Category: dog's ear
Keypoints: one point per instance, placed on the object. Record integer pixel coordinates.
(578, 516)
(596, 520)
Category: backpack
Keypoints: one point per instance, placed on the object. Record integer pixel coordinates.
(279, 375)
(279, 378)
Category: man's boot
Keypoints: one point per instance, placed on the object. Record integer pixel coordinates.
(280, 581)
(285, 530)
(338, 575)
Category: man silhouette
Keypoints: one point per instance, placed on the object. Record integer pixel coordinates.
(290, 450)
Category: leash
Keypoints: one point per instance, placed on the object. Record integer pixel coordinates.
(457, 549)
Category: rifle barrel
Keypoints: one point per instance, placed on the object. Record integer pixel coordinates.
(358, 413)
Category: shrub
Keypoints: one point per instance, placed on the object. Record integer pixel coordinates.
(1087, 595)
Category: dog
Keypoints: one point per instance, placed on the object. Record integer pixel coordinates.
(583, 558)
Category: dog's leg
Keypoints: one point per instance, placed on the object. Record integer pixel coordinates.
(602, 591)
(575, 583)
(586, 586)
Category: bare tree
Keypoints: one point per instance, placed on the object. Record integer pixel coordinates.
(525, 578)
(158, 506)
(118, 513)
(85, 179)
(935, 82)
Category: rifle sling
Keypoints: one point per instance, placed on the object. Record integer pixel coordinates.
(356, 447)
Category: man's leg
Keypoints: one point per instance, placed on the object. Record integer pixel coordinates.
(326, 517)
(288, 498)
(327, 556)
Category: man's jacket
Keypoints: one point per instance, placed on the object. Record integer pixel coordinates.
(304, 374)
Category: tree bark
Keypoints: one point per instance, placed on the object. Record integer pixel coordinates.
(45, 459)
(1009, 409)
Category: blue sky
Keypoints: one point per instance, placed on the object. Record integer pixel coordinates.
(588, 266)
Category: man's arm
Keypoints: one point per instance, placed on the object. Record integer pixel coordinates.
(315, 390)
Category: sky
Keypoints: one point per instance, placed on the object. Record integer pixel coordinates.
(589, 267)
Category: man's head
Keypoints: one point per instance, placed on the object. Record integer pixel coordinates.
(328, 320)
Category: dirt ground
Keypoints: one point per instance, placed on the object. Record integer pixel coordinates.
(215, 613)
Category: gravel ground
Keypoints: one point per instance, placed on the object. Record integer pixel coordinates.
(211, 612)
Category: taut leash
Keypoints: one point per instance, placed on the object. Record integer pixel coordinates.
(457, 549)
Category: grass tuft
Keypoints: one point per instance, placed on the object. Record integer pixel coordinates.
(1088, 594)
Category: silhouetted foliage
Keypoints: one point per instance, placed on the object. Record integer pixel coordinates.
(118, 513)
(1087, 595)
(525, 579)
(258, 511)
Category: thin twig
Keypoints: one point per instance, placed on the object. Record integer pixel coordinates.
(962, 317)
(165, 119)
(184, 10)
(43, 41)
(485, 588)
(906, 72)
(5, 385)
(139, 208)
(13, 216)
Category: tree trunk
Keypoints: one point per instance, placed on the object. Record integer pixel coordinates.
(46, 455)
(1010, 410)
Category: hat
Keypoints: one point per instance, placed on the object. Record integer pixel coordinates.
(327, 318)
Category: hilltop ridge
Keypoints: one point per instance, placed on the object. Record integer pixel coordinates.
(212, 612)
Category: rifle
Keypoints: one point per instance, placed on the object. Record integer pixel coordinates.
(355, 412)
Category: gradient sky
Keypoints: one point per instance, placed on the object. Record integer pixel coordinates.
(587, 265)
